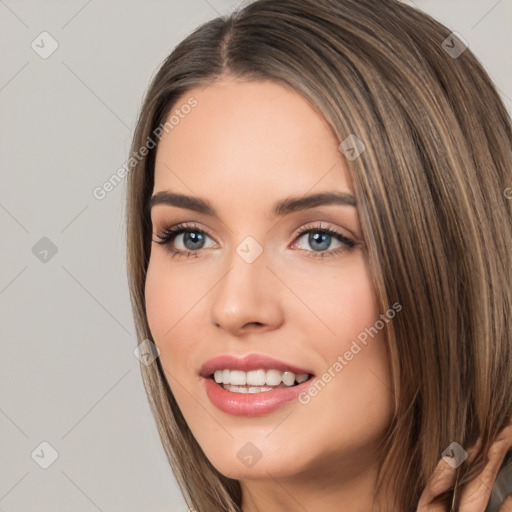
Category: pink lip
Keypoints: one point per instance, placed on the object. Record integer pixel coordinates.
(250, 404)
(247, 363)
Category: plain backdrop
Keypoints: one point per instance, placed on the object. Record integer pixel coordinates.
(71, 396)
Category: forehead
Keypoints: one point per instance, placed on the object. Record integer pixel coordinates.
(261, 139)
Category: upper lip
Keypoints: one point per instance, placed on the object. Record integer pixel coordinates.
(247, 363)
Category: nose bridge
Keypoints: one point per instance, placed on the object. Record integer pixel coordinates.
(247, 293)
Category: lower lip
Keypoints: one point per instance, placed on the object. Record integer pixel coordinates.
(251, 404)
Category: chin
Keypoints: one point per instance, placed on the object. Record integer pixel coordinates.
(250, 463)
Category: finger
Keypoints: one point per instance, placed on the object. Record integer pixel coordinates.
(506, 433)
(506, 506)
(442, 479)
(444, 475)
(477, 493)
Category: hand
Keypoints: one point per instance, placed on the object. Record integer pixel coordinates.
(477, 493)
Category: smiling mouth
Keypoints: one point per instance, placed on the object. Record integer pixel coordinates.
(257, 381)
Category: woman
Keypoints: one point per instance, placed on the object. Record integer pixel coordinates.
(319, 240)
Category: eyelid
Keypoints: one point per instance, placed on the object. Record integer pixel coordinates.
(348, 242)
(183, 226)
(169, 233)
(321, 226)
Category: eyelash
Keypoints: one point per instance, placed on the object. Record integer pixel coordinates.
(170, 233)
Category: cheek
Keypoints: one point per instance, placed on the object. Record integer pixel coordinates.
(165, 296)
(174, 314)
(168, 296)
(360, 334)
(341, 301)
(349, 335)
(160, 302)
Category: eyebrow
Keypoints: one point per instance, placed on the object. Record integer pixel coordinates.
(280, 208)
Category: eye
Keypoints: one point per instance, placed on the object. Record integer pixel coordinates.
(193, 239)
(320, 238)
(188, 236)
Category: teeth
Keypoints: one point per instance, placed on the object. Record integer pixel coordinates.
(303, 377)
(238, 378)
(244, 389)
(288, 378)
(258, 378)
(274, 377)
(258, 389)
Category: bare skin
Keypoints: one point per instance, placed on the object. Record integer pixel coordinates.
(476, 495)
(244, 147)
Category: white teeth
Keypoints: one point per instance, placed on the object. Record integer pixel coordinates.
(288, 378)
(243, 389)
(258, 378)
(238, 378)
(258, 389)
(273, 377)
(303, 377)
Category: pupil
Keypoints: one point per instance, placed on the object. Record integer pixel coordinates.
(196, 239)
(319, 238)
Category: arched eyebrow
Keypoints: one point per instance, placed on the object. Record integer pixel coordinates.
(280, 208)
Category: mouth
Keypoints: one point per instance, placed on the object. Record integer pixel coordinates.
(257, 381)
(255, 397)
(254, 384)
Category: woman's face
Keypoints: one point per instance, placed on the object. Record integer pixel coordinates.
(248, 283)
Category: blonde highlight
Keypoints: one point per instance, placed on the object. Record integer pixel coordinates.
(430, 197)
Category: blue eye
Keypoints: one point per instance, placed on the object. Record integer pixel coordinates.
(194, 239)
(319, 238)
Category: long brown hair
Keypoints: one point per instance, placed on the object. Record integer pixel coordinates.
(433, 189)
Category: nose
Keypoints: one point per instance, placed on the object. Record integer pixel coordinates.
(247, 298)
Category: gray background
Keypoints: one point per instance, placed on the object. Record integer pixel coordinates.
(68, 375)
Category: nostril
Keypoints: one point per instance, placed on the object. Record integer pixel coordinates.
(255, 324)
